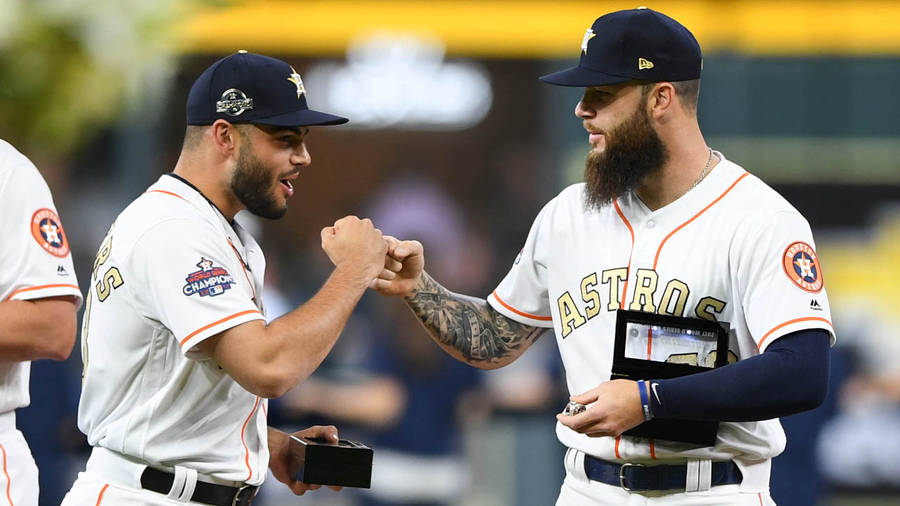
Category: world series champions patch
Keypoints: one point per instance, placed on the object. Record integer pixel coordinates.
(47, 230)
(209, 281)
(801, 264)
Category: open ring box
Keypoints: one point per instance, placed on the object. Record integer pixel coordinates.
(653, 346)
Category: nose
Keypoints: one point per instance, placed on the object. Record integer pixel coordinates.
(583, 110)
(300, 156)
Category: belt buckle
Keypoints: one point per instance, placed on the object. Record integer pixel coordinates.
(238, 501)
(622, 474)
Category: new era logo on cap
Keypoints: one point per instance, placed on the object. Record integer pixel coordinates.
(637, 44)
(252, 88)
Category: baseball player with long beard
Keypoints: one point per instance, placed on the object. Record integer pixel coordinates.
(662, 224)
(39, 297)
(178, 360)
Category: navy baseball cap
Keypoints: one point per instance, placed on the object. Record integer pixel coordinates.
(252, 88)
(633, 45)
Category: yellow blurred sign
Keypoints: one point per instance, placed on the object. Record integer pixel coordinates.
(865, 274)
(538, 29)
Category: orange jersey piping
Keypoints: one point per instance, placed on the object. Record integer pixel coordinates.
(213, 324)
(520, 313)
(246, 275)
(31, 288)
(630, 253)
(102, 491)
(168, 193)
(679, 227)
(806, 319)
(8, 480)
(246, 450)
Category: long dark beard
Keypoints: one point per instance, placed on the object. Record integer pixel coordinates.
(252, 185)
(633, 151)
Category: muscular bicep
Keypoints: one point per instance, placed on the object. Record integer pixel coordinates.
(469, 328)
(237, 351)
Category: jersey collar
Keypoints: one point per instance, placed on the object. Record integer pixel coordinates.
(719, 178)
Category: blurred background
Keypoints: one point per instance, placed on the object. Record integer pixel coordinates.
(454, 141)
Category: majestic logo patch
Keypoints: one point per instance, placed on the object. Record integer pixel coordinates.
(48, 232)
(801, 264)
(209, 281)
(234, 102)
(295, 78)
(588, 35)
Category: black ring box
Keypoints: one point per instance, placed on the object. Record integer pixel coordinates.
(345, 463)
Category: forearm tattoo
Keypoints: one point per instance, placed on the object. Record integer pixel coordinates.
(468, 324)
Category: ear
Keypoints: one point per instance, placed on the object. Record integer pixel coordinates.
(226, 137)
(660, 99)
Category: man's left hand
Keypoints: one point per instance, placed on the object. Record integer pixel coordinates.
(279, 454)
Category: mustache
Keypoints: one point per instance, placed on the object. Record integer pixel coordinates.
(293, 172)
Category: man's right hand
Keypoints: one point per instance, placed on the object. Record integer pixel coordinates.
(355, 245)
(403, 267)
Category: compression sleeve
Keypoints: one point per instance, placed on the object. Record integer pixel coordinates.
(789, 377)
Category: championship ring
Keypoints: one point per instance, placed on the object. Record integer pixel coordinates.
(573, 408)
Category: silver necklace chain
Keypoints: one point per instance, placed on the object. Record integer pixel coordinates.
(704, 172)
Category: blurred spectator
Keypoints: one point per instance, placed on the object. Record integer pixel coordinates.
(407, 393)
(859, 448)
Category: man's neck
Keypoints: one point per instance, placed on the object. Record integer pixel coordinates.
(209, 186)
(676, 177)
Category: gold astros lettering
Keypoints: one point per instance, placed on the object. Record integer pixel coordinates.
(672, 301)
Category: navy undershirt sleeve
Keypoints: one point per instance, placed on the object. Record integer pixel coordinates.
(789, 377)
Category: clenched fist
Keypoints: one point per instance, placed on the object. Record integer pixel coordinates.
(403, 266)
(356, 246)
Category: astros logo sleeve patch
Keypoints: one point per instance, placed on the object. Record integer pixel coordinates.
(801, 264)
(47, 230)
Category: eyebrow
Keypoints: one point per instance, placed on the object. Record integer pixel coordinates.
(301, 131)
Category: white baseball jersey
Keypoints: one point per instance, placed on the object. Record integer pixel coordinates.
(730, 249)
(35, 261)
(172, 272)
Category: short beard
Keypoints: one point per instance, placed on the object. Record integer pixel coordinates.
(633, 151)
(252, 185)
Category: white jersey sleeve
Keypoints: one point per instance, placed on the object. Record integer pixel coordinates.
(779, 282)
(522, 294)
(190, 279)
(35, 261)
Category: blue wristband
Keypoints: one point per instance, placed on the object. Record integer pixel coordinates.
(645, 402)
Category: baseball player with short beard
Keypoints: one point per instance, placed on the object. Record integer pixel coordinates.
(178, 359)
(662, 224)
(39, 297)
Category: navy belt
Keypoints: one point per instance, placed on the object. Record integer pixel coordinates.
(641, 478)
